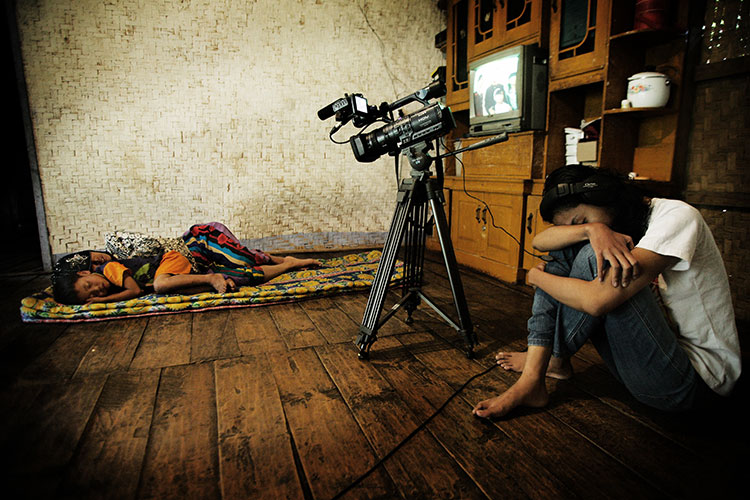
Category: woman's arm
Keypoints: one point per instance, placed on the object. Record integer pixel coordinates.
(609, 246)
(559, 237)
(596, 297)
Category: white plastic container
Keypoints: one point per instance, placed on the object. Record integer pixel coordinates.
(648, 90)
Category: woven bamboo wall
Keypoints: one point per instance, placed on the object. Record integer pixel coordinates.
(719, 155)
(151, 115)
(731, 230)
(718, 151)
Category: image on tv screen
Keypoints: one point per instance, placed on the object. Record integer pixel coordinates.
(494, 90)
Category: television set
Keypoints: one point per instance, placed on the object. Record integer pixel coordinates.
(508, 91)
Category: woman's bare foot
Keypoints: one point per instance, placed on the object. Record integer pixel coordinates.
(559, 368)
(218, 282)
(296, 263)
(525, 392)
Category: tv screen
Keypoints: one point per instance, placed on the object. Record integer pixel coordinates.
(493, 83)
(508, 91)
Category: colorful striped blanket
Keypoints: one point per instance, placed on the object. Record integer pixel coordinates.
(354, 272)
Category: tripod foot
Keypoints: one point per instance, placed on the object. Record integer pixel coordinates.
(364, 342)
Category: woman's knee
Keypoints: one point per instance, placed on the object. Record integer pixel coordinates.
(572, 260)
(584, 264)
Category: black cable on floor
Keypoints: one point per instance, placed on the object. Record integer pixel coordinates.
(412, 434)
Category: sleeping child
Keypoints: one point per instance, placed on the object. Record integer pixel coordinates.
(90, 276)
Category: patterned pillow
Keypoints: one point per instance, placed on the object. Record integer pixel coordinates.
(125, 244)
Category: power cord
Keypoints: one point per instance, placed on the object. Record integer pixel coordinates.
(361, 131)
(412, 434)
(545, 258)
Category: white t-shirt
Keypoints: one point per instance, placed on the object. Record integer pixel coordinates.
(696, 291)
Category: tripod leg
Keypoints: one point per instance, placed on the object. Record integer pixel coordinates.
(451, 265)
(413, 252)
(368, 329)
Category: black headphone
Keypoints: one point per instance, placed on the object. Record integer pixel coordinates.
(597, 190)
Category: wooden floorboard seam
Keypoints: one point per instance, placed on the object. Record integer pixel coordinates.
(149, 443)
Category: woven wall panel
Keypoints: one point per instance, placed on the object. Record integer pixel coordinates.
(718, 160)
(153, 115)
(719, 151)
(731, 229)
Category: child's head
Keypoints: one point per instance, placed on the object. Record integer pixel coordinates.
(79, 287)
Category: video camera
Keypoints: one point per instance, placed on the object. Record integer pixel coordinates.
(430, 122)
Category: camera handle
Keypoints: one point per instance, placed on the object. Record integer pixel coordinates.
(409, 226)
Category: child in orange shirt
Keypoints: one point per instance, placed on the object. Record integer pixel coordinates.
(101, 278)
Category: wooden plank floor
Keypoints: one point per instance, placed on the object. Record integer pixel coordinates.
(272, 402)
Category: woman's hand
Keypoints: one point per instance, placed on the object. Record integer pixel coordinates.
(614, 248)
(534, 273)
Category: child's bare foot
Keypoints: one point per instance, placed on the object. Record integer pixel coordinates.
(218, 282)
(559, 368)
(231, 285)
(523, 393)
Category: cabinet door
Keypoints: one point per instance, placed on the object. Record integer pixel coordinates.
(467, 233)
(457, 62)
(533, 225)
(578, 37)
(506, 209)
(483, 32)
(520, 20)
(496, 23)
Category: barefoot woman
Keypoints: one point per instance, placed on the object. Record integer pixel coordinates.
(609, 244)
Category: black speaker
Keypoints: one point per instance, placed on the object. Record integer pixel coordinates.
(596, 190)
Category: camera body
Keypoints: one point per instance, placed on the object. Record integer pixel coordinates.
(428, 123)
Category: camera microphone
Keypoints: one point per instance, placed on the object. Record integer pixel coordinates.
(330, 110)
(481, 144)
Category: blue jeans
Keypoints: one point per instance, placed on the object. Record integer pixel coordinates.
(634, 340)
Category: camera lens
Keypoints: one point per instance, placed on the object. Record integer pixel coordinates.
(429, 122)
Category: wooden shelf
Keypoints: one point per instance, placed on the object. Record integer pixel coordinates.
(639, 112)
(647, 37)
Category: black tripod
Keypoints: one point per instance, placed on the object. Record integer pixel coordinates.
(409, 225)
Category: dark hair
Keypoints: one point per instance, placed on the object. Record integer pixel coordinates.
(63, 287)
(622, 199)
(78, 261)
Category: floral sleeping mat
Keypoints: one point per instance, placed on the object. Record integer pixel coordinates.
(354, 272)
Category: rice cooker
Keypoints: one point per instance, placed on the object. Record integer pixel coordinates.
(648, 90)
